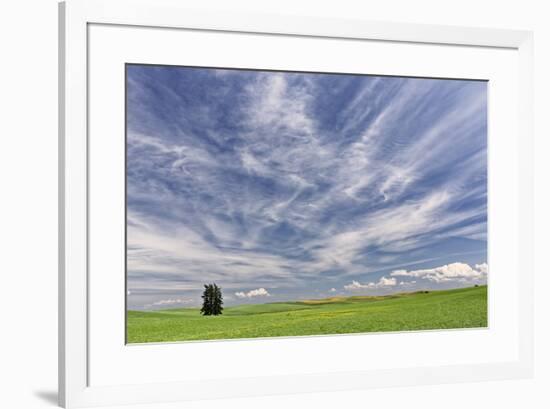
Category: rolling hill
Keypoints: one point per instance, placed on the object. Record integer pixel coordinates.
(458, 308)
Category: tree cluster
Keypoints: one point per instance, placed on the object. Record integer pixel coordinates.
(212, 300)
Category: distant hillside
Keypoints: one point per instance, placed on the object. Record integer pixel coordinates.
(459, 308)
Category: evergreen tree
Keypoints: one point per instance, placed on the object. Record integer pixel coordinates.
(217, 300)
(206, 303)
(212, 300)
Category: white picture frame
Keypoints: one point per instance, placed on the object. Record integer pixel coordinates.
(75, 387)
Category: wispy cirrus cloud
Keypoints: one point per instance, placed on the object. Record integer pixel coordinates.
(293, 181)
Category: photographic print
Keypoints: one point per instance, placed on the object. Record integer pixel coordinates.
(275, 204)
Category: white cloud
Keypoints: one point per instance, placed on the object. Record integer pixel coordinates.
(477, 231)
(170, 301)
(399, 228)
(356, 285)
(259, 292)
(383, 282)
(460, 272)
(154, 251)
(276, 104)
(332, 290)
(483, 267)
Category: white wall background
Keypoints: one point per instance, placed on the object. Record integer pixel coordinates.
(28, 202)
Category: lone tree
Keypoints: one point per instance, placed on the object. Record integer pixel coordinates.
(212, 300)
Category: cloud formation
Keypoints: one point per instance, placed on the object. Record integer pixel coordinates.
(260, 292)
(297, 182)
(170, 302)
(383, 282)
(460, 272)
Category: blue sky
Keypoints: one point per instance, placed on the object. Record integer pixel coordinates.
(281, 186)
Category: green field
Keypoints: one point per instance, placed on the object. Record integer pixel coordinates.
(460, 308)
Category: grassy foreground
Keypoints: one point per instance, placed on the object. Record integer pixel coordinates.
(460, 308)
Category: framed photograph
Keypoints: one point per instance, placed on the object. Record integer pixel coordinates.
(301, 204)
(276, 203)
